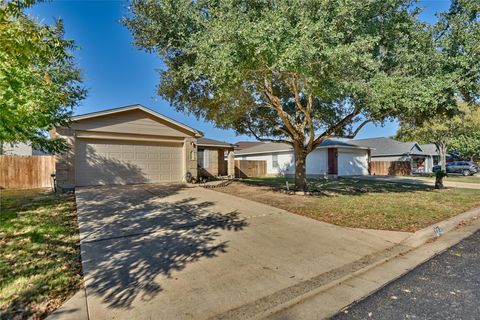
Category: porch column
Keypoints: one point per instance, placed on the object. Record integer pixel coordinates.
(231, 164)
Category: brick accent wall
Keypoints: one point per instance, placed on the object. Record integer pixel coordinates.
(190, 156)
(212, 170)
(65, 162)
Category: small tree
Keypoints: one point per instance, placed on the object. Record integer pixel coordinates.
(457, 71)
(39, 81)
(443, 131)
(295, 72)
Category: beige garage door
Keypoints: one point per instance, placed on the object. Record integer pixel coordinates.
(104, 162)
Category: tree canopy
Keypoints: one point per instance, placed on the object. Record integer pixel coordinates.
(39, 80)
(443, 130)
(467, 145)
(293, 71)
(300, 72)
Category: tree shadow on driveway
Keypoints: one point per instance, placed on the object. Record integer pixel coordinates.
(130, 237)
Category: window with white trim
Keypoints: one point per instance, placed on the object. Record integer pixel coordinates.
(275, 160)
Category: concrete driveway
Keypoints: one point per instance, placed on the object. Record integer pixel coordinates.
(171, 252)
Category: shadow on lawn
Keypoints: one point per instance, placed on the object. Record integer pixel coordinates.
(39, 250)
(340, 186)
(129, 237)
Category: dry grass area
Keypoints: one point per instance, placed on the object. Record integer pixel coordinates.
(361, 203)
(455, 178)
(40, 263)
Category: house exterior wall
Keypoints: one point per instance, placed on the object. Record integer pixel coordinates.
(65, 166)
(390, 158)
(131, 122)
(316, 164)
(190, 157)
(286, 163)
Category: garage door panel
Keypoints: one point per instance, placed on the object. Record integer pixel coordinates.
(103, 162)
(352, 163)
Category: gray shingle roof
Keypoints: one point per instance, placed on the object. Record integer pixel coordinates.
(386, 146)
(280, 147)
(211, 142)
(429, 148)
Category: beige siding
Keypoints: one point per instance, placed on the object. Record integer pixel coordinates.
(131, 122)
(103, 162)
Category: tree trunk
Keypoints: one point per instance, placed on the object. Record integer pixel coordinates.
(439, 180)
(300, 167)
(442, 153)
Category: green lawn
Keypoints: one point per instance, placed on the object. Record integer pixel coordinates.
(363, 204)
(456, 178)
(39, 252)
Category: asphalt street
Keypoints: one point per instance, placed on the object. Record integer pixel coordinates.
(445, 287)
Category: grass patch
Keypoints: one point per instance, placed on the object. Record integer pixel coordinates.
(363, 204)
(455, 178)
(40, 263)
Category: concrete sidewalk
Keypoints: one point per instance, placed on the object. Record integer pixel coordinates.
(338, 295)
(168, 252)
(421, 181)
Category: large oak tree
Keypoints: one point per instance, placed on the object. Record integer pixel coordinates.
(295, 71)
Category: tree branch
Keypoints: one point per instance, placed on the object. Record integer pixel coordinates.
(265, 139)
(286, 118)
(328, 133)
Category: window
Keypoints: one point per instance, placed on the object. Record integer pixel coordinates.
(203, 158)
(200, 158)
(275, 161)
(206, 158)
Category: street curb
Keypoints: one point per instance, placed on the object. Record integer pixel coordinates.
(415, 242)
(423, 235)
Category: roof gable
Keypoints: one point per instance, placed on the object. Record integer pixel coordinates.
(134, 119)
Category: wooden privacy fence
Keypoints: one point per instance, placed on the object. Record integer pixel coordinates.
(23, 172)
(250, 168)
(390, 168)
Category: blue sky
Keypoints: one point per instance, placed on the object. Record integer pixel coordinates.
(117, 74)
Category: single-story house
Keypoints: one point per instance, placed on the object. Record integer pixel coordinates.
(134, 144)
(422, 157)
(332, 157)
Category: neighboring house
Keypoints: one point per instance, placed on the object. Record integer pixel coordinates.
(19, 149)
(332, 157)
(421, 157)
(134, 144)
